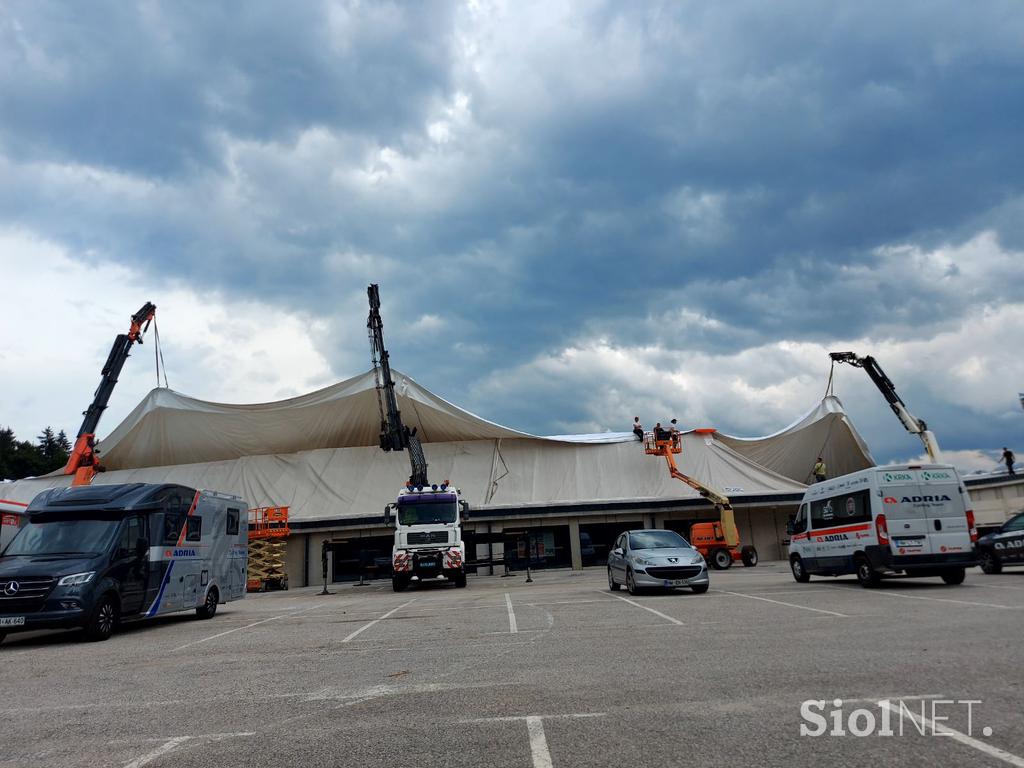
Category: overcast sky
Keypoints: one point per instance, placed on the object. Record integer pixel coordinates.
(577, 213)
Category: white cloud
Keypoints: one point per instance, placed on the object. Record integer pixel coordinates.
(61, 316)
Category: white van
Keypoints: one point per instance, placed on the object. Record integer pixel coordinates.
(900, 520)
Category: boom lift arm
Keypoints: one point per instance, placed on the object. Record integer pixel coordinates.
(84, 462)
(911, 423)
(394, 435)
(668, 443)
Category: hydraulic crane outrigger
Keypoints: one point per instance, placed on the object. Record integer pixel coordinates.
(84, 462)
(911, 423)
(719, 542)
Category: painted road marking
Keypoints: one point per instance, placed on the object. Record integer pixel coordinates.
(512, 626)
(887, 593)
(292, 612)
(963, 738)
(375, 621)
(172, 744)
(538, 743)
(780, 602)
(656, 613)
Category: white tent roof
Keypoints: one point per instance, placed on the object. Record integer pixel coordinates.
(319, 454)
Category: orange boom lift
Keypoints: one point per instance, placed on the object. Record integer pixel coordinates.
(84, 461)
(718, 542)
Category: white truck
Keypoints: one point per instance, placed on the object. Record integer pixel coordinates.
(428, 535)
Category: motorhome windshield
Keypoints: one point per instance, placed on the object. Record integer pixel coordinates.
(425, 513)
(63, 537)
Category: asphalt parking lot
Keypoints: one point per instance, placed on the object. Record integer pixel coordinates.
(560, 672)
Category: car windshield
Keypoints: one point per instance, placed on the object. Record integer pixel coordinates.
(63, 537)
(426, 513)
(656, 540)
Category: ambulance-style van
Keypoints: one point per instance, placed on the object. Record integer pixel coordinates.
(900, 520)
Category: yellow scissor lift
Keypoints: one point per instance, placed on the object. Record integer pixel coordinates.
(268, 527)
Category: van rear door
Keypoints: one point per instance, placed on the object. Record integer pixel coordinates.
(905, 518)
(945, 510)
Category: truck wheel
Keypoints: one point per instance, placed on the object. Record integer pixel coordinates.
(800, 574)
(460, 580)
(954, 576)
(721, 559)
(749, 556)
(2, 636)
(613, 585)
(209, 609)
(103, 620)
(700, 589)
(989, 562)
(398, 583)
(866, 575)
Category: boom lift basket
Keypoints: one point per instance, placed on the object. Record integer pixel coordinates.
(268, 527)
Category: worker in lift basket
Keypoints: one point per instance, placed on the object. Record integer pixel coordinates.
(819, 471)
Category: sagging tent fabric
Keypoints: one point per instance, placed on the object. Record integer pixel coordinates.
(318, 454)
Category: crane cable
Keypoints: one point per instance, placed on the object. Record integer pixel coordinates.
(158, 355)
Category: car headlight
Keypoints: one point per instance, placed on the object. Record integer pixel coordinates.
(642, 561)
(698, 559)
(75, 579)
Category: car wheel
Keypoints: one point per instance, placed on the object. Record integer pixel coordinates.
(989, 562)
(866, 575)
(631, 586)
(700, 589)
(749, 556)
(721, 559)
(209, 609)
(398, 583)
(613, 585)
(103, 620)
(954, 576)
(800, 574)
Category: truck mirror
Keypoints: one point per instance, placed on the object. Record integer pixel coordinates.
(387, 515)
(790, 528)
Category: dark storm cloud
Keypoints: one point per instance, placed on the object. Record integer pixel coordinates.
(610, 165)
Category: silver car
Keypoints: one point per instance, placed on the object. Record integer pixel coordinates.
(656, 559)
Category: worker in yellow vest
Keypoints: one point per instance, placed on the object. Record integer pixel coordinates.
(819, 470)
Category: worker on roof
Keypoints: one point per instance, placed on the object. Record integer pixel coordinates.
(819, 471)
(1009, 459)
(638, 430)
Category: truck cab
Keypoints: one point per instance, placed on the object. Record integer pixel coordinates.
(428, 535)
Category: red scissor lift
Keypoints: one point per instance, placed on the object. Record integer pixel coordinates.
(268, 529)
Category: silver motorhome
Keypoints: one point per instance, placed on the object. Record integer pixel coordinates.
(95, 556)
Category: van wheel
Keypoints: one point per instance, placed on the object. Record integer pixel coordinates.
(613, 585)
(460, 580)
(796, 565)
(721, 559)
(631, 586)
(700, 589)
(103, 620)
(398, 583)
(989, 562)
(866, 575)
(749, 556)
(209, 609)
(954, 576)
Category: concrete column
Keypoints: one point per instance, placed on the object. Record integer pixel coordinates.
(649, 521)
(574, 545)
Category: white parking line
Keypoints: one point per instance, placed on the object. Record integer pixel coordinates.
(963, 738)
(512, 626)
(887, 593)
(538, 743)
(656, 613)
(172, 744)
(779, 602)
(994, 586)
(367, 626)
(292, 612)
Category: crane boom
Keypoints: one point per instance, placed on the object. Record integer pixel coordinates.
(668, 443)
(394, 435)
(911, 423)
(84, 462)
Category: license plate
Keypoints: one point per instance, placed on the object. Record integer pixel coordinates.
(12, 621)
(909, 543)
(428, 563)
(674, 582)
